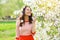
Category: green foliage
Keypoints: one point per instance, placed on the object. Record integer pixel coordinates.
(7, 30)
(9, 7)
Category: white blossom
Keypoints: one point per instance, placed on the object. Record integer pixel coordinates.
(50, 10)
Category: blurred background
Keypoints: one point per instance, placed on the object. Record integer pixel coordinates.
(47, 13)
(9, 10)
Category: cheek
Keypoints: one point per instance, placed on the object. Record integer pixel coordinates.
(28, 13)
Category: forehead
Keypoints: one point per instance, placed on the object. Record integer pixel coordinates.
(27, 7)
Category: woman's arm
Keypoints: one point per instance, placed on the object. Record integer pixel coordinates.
(17, 27)
(34, 26)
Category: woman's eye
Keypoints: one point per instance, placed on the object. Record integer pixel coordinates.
(27, 9)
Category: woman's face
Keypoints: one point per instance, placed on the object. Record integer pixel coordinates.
(28, 11)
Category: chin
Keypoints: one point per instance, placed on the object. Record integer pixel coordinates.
(29, 14)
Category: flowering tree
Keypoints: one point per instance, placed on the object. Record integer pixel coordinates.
(47, 13)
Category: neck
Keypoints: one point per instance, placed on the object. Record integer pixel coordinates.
(26, 18)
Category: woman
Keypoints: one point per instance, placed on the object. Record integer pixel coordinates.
(25, 25)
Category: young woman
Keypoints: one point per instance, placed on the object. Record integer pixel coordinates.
(25, 25)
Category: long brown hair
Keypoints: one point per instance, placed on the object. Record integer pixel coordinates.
(22, 18)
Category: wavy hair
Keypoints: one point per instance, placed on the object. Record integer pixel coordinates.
(22, 18)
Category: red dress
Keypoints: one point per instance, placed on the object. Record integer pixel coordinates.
(29, 37)
(22, 37)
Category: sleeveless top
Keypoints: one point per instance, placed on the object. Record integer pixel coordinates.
(26, 29)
